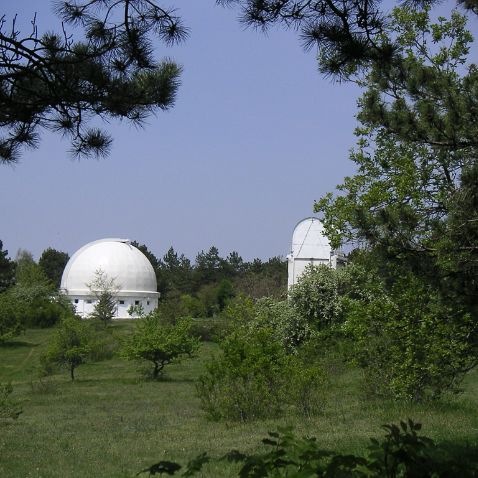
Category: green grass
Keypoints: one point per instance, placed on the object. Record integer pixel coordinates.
(111, 422)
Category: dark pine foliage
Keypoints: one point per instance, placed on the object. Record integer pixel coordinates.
(7, 270)
(347, 33)
(59, 82)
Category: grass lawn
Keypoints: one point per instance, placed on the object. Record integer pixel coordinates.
(111, 422)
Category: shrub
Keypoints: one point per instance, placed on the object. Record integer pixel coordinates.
(173, 308)
(10, 317)
(256, 378)
(209, 329)
(46, 313)
(9, 408)
(411, 345)
(306, 388)
(43, 386)
(136, 311)
(248, 380)
(35, 305)
(190, 306)
(289, 327)
(239, 310)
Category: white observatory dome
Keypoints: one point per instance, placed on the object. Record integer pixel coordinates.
(130, 269)
(310, 247)
(309, 240)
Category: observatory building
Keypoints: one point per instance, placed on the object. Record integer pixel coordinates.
(310, 246)
(117, 259)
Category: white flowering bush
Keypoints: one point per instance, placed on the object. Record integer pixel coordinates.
(315, 297)
(289, 327)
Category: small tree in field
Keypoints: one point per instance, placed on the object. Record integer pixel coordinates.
(105, 290)
(159, 343)
(70, 346)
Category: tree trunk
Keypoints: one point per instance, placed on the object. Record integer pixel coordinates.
(158, 367)
(72, 372)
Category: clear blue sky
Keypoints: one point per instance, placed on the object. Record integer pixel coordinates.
(256, 135)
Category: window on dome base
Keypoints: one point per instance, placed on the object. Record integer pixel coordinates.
(136, 302)
(121, 302)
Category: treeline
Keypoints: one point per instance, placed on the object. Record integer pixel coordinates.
(203, 288)
(29, 295)
(200, 289)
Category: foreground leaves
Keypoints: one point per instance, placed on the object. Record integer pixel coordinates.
(401, 453)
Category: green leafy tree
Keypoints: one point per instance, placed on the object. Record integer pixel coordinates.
(191, 306)
(413, 206)
(53, 263)
(70, 345)
(34, 297)
(7, 270)
(224, 293)
(52, 81)
(207, 296)
(160, 343)
(417, 144)
(240, 310)
(105, 290)
(11, 317)
(27, 270)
